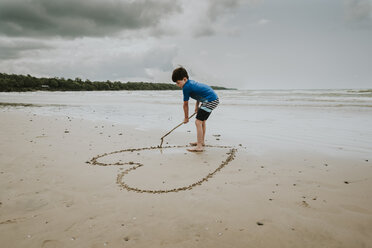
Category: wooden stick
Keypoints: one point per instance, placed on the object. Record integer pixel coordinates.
(174, 129)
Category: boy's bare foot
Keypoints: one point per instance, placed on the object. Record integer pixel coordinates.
(195, 149)
(195, 144)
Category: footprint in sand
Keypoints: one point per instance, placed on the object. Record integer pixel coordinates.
(52, 243)
(305, 204)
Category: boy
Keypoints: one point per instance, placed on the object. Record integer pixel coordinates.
(201, 93)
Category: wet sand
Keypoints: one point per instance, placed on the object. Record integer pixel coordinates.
(53, 195)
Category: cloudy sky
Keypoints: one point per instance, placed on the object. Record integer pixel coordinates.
(246, 44)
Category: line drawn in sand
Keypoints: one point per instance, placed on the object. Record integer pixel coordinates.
(123, 185)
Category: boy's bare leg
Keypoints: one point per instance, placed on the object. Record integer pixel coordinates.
(199, 131)
(204, 129)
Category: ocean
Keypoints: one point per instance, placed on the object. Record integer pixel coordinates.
(329, 120)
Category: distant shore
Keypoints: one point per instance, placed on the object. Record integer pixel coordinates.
(21, 83)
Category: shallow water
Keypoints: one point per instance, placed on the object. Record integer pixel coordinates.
(323, 120)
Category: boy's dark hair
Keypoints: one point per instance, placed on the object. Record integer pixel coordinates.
(179, 73)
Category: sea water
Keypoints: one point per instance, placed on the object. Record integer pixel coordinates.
(321, 120)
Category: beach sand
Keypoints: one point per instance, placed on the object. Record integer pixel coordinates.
(50, 196)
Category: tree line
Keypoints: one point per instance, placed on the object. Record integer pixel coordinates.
(14, 82)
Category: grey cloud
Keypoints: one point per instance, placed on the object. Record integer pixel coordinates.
(128, 65)
(70, 18)
(206, 30)
(359, 12)
(10, 49)
(220, 7)
(101, 65)
(216, 9)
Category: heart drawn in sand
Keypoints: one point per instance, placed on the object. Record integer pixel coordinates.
(120, 176)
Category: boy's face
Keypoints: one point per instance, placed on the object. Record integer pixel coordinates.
(181, 83)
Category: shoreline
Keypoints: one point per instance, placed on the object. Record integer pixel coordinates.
(258, 144)
(50, 196)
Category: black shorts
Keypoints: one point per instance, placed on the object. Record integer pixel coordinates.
(202, 115)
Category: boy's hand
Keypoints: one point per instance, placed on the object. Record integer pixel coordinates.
(196, 109)
(185, 120)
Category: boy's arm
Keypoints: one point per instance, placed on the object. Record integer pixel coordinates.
(197, 106)
(186, 111)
